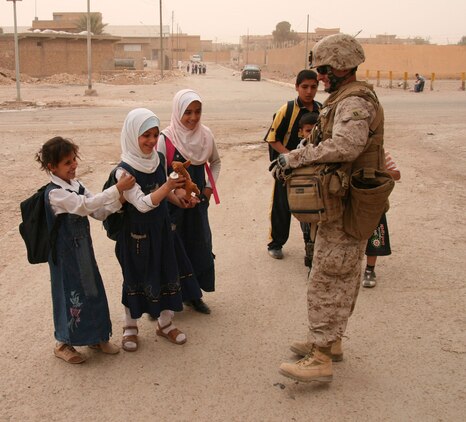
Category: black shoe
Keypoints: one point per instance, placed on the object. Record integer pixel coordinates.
(309, 249)
(308, 262)
(199, 305)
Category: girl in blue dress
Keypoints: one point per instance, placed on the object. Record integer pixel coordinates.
(80, 310)
(186, 138)
(145, 245)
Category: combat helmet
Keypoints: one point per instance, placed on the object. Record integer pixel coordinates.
(340, 51)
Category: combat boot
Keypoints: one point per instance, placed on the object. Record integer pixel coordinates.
(304, 348)
(316, 366)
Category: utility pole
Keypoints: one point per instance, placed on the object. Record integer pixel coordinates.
(173, 58)
(89, 90)
(306, 51)
(177, 43)
(247, 48)
(18, 83)
(161, 42)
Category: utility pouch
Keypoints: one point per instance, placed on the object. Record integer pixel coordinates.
(369, 192)
(315, 193)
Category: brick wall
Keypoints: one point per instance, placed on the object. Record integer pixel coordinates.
(447, 61)
(45, 56)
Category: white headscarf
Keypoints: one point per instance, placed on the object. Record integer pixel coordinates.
(137, 120)
(196, 144)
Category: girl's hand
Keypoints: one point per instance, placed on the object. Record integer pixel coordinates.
(126, 182)
(207, 192)
(186, 203)
(193, 201)
(175, 183)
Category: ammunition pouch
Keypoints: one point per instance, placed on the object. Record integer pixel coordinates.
(316, 192)
(368, 200)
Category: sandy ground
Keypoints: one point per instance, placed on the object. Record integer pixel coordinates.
(405, 345)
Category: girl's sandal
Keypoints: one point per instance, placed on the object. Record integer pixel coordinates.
(171, 335)
(133, 338)
(68, 353)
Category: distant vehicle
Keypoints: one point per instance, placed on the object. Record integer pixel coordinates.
(195, 58)
(251, 71)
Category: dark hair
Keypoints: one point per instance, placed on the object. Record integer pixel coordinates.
(308, 119)
(305, 74)
(53, 151)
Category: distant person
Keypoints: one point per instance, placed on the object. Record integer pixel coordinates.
(283, 137)
(419, 83)
(379, 243)
(187, 68)
(204, 68)
(80, 310)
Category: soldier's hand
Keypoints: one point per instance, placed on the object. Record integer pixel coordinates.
(283, 161)
(278, 173)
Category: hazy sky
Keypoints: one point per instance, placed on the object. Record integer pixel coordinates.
(226, 20)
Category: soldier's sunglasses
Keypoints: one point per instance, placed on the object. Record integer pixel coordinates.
(322, 70)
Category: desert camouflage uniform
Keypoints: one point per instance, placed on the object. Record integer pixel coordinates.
(336, 269)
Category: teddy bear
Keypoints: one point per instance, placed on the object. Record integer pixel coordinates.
(189, 186)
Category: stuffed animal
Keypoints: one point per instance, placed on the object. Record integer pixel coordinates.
(189, 186)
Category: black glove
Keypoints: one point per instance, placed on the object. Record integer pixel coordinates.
(279, 170)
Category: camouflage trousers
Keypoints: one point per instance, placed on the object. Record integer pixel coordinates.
(334, 282)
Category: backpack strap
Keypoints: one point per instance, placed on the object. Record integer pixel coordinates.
(286, 122)
(162, 159)
(170, 151)
(124, 166)
(80, 190)
(212, 183)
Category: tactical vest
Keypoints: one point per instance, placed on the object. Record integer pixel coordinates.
(373, 155)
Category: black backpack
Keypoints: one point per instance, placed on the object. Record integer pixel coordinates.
(34, 230)
(114, 222)
(282, 128)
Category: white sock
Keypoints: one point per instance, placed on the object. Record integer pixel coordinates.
(130, 322)
(165, 318)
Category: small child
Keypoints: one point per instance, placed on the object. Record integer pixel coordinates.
(145, 246)
(306, 124)
(80, 310)
(379, 243)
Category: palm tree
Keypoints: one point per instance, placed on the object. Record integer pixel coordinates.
(97, 27)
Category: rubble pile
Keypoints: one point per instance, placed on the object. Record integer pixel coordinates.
(122, 77)
(8, 77)
(135, 77)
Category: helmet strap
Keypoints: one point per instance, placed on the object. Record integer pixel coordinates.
(336, 81)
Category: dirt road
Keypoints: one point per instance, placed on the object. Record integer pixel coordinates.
(405, 347)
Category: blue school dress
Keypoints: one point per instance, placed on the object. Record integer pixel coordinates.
(192, 227)
(146, 253)
(80, 309)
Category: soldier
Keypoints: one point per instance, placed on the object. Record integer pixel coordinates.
(349, 131)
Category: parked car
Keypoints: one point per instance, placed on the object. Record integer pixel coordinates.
(251, 71)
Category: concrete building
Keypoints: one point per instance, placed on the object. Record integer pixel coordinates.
(141, 42)
(48, 54)
(63, 21)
